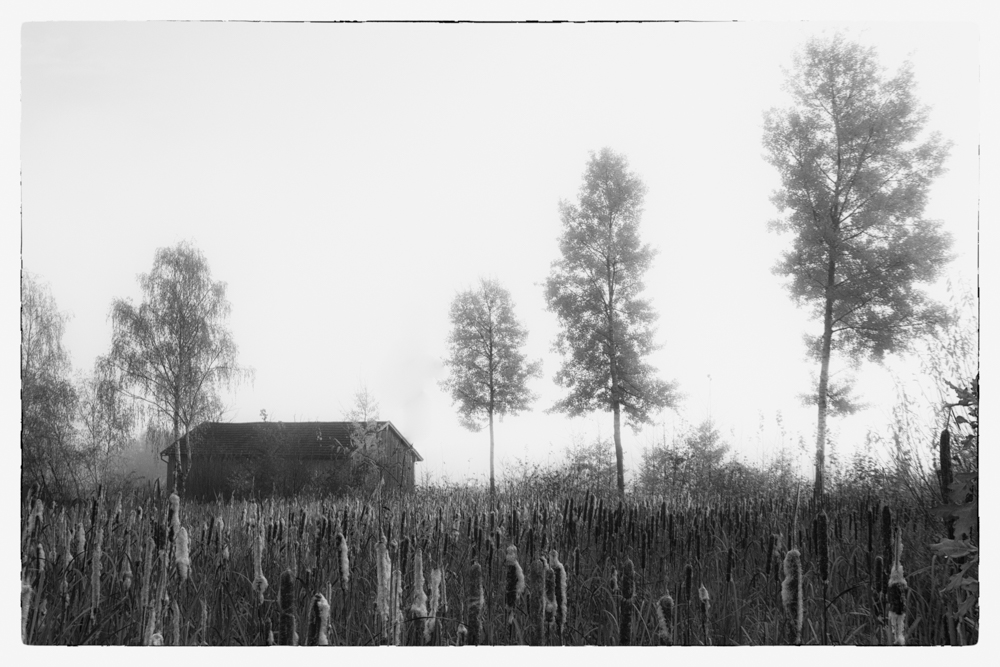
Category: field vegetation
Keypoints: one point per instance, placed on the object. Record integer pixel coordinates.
(540, 564)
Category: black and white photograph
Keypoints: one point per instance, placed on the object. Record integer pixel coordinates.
(604, 331)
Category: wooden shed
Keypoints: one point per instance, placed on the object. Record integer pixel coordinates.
(287, 458)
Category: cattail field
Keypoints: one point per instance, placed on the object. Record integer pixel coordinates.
(455, 568)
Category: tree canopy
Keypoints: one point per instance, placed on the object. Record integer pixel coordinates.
(48, 398)
(855, 176)
(606, 327)
(174, 351)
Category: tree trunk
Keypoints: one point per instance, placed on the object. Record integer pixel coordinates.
(821, 427)
(177, 461)
(619, 456)
(491, 407)
(179, 471)
(492, 489)
(824, 381)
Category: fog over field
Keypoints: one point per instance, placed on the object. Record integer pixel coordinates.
(346, 181)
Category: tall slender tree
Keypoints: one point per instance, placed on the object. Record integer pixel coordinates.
(595, 291)
(488, 372)
(855, 175)
(174, 351)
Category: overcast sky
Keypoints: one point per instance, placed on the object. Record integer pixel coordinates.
(346, 181)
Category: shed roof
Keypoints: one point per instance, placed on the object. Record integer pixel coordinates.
(306, 440)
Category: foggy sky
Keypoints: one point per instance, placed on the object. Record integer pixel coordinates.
(346, 181)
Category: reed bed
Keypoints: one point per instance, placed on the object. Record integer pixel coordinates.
(456, 568)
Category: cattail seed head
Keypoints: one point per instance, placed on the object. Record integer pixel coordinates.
(126, 575)
(383, 571)
(345, 562)
(476, 601)
(791, 596)
(886, 538)
(39, 564)
(147, 570)
(95, 571)
(561, 598)
(688, 582)
(813, 534)
(286, 601)
(822, 546)
(880, 579)
(259, 580)
(64, 590)
(897, 607)
(396, 598)
(418, 608)
(67, 535)
(319, 619)
(35, 520)
(175, 624)
(159, 535)
(182, 554)
(435, 602)
(26, 592)
(444, 592)
(79, 545)
(94, 507)
(203, 622)
(536, 602)
(551, 603)
(628, 580)
(896, 596)
(515, 582)
(173, 517)
(665, 620)
(404, 552)
(705, 602)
